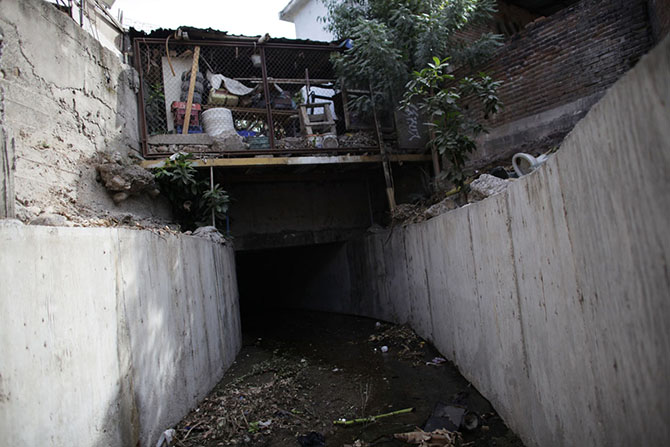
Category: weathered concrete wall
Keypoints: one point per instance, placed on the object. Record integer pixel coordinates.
(66, 100)
(291, 213)
(109, 336)
(552, 297)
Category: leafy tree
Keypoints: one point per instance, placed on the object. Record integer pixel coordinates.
(453, 125)
(393, 38)
(401, 49)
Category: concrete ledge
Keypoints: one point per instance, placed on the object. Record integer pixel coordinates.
(109, 336)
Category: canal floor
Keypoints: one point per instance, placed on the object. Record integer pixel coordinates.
(298, 372)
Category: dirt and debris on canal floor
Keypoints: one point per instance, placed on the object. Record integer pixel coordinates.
(299, 372)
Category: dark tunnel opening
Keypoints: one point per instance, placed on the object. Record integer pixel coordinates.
(310, 277)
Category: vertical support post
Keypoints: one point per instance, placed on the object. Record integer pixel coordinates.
(307, 86)
(433, 153)
(386, 165)
(268, 105)
(140, 99)
(211, 188)
(191, 89)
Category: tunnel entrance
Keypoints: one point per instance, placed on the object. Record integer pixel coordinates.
(311, 277)
(307, 377)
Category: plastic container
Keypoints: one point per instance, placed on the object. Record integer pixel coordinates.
(179, 112)
(217, 121)
(221, 97)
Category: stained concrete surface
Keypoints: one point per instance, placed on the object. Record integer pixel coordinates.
(109, 336)
(65, 101)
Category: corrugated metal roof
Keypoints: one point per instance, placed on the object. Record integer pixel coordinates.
(213, 34)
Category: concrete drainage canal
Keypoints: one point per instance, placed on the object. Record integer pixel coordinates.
(310, 376)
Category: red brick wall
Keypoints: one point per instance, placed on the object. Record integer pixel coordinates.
(575, 53)
(659, 16)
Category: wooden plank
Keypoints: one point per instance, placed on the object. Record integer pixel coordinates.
(388, 175)
(295, 161)
(191, 89)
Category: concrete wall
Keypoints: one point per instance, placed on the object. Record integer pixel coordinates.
(311, 209)
(552, 297)
(66, 100)
(109, 336)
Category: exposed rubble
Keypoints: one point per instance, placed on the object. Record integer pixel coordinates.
(124, 180)
(487, 185)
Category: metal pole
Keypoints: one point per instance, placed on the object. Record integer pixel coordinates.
(211, 187)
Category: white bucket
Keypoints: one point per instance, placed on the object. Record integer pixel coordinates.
(217, 121)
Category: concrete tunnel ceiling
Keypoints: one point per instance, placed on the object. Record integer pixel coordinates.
(542, 7)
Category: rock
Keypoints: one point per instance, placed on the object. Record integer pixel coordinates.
(6, 223)
(228, 141)
(210, 233)
(26, 213)
(120, 197)
(126, 180)
(487, 185)
(51, 220)
(441, 208)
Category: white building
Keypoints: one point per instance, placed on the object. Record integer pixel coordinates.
(304, 15)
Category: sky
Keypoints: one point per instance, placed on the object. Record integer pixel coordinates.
(248, 17)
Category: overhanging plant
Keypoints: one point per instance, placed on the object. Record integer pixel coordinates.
(456, 110)
(193, 200)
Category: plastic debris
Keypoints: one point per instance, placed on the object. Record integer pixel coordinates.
(368, 419)
(447, 417)
(437, 361)
(436, 438)
(385, 349)
(166, 438)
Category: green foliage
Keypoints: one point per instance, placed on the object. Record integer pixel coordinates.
(393, 38)
(192, 199)
(454, 126)
(155, 108)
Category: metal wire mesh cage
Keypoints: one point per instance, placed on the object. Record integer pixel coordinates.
(245, 98)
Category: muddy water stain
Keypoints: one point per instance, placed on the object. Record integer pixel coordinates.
(299, 371)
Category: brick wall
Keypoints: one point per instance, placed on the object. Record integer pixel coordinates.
(659, 16)
(575, 53)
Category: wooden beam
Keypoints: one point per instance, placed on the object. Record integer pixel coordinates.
(295, 161)
(191, 89)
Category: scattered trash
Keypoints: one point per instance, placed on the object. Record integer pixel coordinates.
(312, 439)
(499, 172)
(384, 349)
(437, 361)
(446, 417)
(368, 419)
(378, 325)
(436, 438)
(470, 421)
(166, 438)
